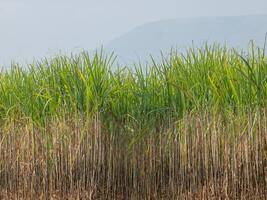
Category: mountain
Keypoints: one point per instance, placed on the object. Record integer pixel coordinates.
(160, 36)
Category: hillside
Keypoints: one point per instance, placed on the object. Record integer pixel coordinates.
(152, 38)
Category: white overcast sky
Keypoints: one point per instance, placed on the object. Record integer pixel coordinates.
(37, 27)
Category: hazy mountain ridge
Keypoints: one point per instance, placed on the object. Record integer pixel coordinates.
(152, 38)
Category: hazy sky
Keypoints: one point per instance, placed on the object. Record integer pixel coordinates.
(37, 28)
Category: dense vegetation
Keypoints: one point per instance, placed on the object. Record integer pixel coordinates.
(193, 125)
(212, 78)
